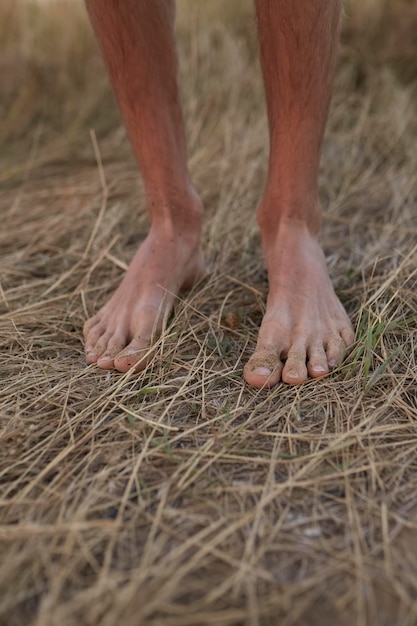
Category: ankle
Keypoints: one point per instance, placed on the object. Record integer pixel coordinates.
(176, 213)
(276, 214)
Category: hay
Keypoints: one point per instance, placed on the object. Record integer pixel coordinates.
(180, 496)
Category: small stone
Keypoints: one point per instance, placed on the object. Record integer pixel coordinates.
(313, 532)
(232, 321)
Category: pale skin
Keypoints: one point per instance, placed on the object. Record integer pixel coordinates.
(305, 331)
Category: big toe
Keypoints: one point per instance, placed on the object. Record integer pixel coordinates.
(263, 370)
(135, 356)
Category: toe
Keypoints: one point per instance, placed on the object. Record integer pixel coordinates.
(317, 362)
(335, 351)
(136, 355)
(115, 345)
(263, 370)
(94, 343)
(348, 336)
(89, 325)
(295, 369)
(93, 355)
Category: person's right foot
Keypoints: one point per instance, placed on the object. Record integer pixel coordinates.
(120, 336)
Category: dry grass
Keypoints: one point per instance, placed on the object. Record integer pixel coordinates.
(180, 496)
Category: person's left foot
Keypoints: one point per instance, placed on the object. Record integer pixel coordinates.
(305, 331)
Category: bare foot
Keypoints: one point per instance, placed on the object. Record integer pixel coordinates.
(120, 336)
(305, 331)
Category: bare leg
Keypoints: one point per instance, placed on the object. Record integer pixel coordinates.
(137, 42)
(305, 325)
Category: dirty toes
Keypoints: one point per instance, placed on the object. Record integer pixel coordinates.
(295, 368)
(263, 368)
(135, 356)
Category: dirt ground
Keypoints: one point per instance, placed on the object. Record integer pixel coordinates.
(180, 496)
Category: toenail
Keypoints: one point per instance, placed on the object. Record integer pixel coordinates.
(332, 363)
(128, 354)
(262, 371)
(293, 375)
(319, 368)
